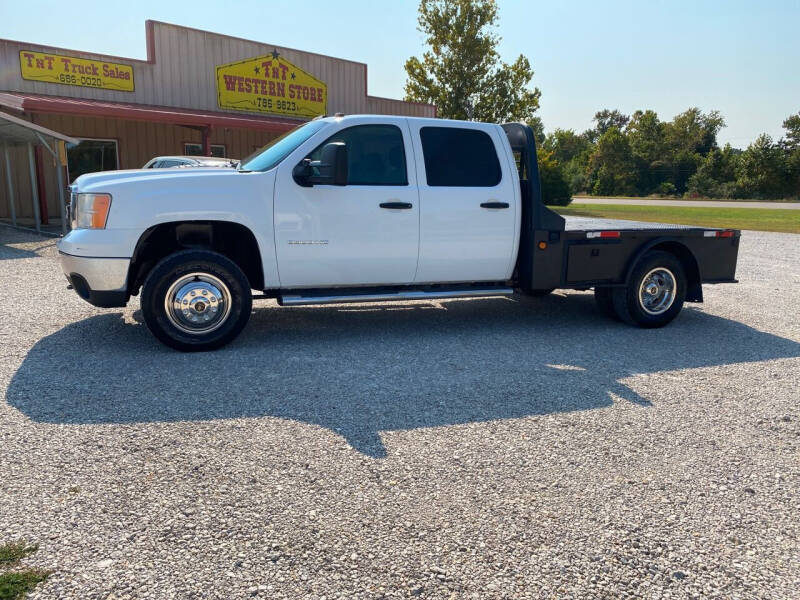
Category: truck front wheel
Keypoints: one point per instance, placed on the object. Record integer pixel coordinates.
(196, 300)
(655, 291)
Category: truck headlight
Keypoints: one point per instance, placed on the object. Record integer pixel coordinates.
(91, 211)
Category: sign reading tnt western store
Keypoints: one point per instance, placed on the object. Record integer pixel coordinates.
(270, 84)
(55, 68)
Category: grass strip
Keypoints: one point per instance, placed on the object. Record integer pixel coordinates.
(759, 219)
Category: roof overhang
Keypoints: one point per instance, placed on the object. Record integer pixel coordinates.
(14, 131)
(141, 112)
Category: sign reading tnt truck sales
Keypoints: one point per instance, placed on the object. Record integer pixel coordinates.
(270, 84)
(55, 68)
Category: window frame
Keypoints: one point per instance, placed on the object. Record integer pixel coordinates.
(461, 128)
(114, 141)
(403, 147)
(200, 145)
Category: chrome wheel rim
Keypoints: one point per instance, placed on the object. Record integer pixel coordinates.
(657, 291)
(198, 303)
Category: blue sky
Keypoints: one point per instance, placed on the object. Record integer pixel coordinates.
(742, 58)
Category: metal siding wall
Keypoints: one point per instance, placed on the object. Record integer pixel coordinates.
(137, 142)
(21, 181)
(184, 76)
(387, 106)
(184, 73)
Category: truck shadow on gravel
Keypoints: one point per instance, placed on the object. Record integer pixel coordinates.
(360, 370)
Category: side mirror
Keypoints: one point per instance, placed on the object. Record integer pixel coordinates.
(330, 169)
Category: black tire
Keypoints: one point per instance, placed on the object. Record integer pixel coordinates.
(605, 301)
(628, 302)
(197, 273)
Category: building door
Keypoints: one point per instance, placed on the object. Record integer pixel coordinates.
(91, 156)
(362, 233)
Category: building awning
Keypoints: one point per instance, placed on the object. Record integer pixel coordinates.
(14, 131)
(141, 112)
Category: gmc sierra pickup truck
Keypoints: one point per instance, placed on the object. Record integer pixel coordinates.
(366, 208)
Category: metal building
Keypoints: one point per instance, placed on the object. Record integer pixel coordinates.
(198, 92)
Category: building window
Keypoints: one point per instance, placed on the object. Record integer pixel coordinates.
(375, 154)
(91, 156)
(190, 149)
(459, 157)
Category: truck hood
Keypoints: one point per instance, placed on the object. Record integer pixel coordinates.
(97, 182)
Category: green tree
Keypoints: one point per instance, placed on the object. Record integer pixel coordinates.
(461, 71)
(762, 171)
(716, 175)
(693, 131)
(538, 131)
(555, 187)
(645, 132)
(689, 137)
(792, 127)
(611, 168)
(571, 151)
(791, 144)
(565, 145)
(606, 119)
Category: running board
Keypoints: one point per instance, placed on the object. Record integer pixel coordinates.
(297, 300)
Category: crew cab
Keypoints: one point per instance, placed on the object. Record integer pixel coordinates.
(366, 208)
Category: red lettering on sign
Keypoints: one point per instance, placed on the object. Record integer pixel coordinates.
(281, 89)
(28, 58)
(66, 62)
(320, 95)
(230, 82)
(283, 68)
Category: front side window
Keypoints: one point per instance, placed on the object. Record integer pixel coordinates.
(273, 153)
(459, 157)
(375, 154)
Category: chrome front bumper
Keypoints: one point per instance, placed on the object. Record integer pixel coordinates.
(99, 281)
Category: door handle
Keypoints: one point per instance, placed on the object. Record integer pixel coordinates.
(400, 205)
(494, 205)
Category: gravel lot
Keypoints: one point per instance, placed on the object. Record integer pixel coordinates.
(489, 448)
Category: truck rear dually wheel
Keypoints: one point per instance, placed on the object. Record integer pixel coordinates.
(196, 300)
(655, 292)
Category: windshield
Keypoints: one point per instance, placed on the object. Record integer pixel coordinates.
(279, 148)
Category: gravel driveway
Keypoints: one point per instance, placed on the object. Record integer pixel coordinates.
(492, 448)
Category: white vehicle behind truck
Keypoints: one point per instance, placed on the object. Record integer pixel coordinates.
(366, 208)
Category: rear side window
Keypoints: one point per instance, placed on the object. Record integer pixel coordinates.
(459, 157)
(375, 154)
